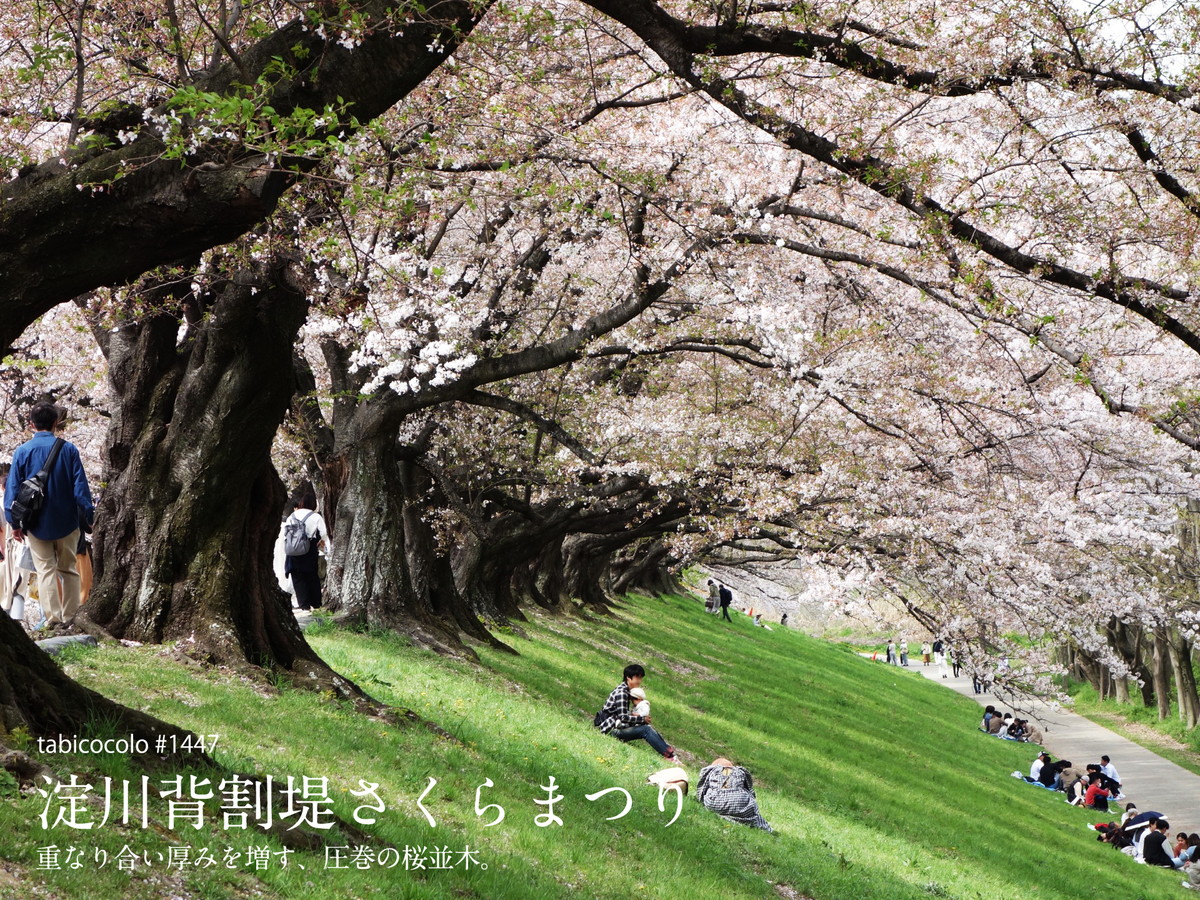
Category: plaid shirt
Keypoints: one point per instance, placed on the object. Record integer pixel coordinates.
(729, 792)
(615, 712)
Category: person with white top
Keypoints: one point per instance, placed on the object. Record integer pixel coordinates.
(1036, 768)
(642, 707)
(1110, 770)
(302, 567)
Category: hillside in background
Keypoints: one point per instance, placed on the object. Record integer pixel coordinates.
(876, 781)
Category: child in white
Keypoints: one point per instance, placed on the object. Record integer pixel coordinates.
(642, 707)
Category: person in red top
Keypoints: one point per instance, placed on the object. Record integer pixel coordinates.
(1097, 795)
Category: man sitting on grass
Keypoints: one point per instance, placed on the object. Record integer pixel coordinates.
(615, 717)
(1155, 846)
(1097, 794)
(1114, 780)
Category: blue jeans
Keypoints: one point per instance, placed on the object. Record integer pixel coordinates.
(641, 732)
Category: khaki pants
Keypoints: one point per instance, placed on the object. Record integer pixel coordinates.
(54, 560)
(8, 568)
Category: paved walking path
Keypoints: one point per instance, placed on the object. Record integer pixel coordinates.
(1147, 779)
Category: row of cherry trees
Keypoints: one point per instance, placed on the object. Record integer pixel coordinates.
(551, 300)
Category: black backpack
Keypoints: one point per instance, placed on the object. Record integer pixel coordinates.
(31, 495)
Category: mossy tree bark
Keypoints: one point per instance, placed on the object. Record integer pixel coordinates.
(192, 506)
(38, 697)
(388, 570)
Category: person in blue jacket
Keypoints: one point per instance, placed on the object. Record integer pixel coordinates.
(54, 538)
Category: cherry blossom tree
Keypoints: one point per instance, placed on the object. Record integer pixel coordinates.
(906, 291)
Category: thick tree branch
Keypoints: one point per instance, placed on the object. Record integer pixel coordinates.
(522, 411)
(107, 216)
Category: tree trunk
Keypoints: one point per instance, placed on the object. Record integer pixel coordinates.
(646, 567)
(191, 510)
(1121, 688)
(484, 571)
(1185, 679)
(385, 570)
(306, 425)
(541, 577)
(583, 570)
(38, 697)
(433, 578)
(1162, 674)
(1090, 671)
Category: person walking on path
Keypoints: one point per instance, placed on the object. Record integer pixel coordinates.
(68, 502)
(891, 652)
(303, 568)
(904, 651)
(726, 597)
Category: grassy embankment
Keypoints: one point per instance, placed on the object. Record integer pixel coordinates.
(876, 781)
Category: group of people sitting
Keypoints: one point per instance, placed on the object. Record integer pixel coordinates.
(1092, 786)
(1009, 728)
(1146, 836)
(1143, 835)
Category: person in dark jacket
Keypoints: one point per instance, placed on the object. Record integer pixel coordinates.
(1051, 773)
(726, 596)
(1155, 848)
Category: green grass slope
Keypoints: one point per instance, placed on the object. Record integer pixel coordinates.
(876, 781)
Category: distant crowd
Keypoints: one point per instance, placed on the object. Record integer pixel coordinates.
(931, 654)
(1008, 728)
(1145, 836)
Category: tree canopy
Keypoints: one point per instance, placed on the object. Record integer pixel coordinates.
(554, 299)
